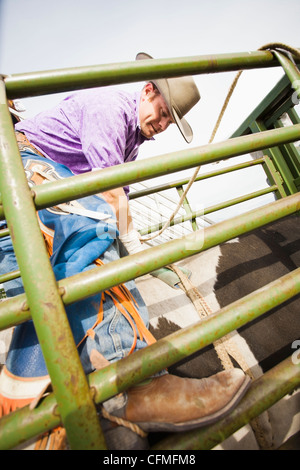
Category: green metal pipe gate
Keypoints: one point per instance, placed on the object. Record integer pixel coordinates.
(72, 402)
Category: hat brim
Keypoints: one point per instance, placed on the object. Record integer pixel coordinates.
(163, 88)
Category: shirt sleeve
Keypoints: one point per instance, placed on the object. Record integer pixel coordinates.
(103, 129)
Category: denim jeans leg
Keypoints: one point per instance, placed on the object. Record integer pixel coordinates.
(8, 263)
(114, 336)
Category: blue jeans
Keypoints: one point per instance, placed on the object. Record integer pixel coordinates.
(78, 241)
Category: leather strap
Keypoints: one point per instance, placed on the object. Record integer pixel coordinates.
(23, 143)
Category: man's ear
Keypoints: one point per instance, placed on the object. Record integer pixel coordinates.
(148, 89)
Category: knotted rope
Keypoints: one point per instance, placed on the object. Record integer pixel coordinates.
(123, 422)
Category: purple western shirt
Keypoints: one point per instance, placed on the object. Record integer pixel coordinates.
(95, 128)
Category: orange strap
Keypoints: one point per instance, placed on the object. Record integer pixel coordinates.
(48, 235)
(56, 439)
(8, 405)
(126, 304)
(120, 295)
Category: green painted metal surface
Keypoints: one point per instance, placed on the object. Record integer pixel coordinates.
(44, 299)
(120, 175)
(39, 83)
(290, 69)
(95, 280)
(74, 402)
(283, 166)
(118, 376)
(264, 392)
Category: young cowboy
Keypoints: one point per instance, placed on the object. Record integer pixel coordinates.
(92, 129)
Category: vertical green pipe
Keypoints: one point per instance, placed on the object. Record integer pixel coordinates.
(277, 158)
(209, 210)
(187, 208)
(75, 405)
(293, 116)
(290, 69)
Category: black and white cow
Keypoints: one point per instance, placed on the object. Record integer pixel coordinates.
(222, 275)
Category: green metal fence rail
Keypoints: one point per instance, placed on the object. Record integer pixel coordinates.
(74, 396)
(282, 163)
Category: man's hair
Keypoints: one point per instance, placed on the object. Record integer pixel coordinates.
(155, 89)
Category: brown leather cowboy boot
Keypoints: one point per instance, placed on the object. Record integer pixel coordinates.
(170, 403)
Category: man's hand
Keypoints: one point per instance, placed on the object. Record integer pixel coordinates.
(117, 199)
(132, 242)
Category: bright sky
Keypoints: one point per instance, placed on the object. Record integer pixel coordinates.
(37, 35)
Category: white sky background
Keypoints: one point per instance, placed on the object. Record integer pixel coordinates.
(37, 35)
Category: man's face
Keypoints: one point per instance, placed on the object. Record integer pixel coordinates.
(154, 114)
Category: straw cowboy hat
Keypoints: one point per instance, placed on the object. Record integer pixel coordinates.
(180, 95)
